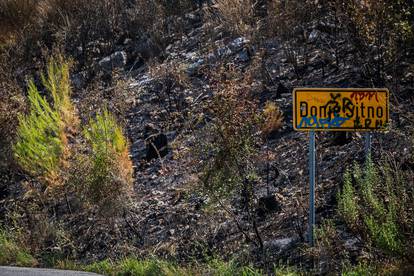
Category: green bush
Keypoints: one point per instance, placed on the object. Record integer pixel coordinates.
(57, 83)
(13, 254)
(109, 168)
(104, 267)
(41, 135)
(376, 204)
(156, 267)
(39, 146)
(347, 201)
(359, 270)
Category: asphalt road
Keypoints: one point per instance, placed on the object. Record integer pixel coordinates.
(22, 271)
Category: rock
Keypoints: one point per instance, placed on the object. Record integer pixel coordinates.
(79, 80)
(146, 49)
(314, 36)
(281, 89)
(267, 204)
(238, 43)
(280, 243)
(192, 69)
(116, 60)
(243, 56)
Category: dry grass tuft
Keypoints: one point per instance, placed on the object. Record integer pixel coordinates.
(16, 15)
(273, 119)
(237, 16)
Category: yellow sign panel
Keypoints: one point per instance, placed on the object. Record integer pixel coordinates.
(340, 109)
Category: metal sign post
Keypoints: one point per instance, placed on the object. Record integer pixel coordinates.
(312, 174)
(337, 109)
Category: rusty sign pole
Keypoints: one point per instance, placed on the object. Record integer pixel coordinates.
(312, 174)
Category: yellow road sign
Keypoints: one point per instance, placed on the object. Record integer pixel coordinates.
(340, 109)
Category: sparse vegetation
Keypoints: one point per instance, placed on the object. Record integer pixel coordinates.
(42, 136)
(273, 118)
(236, 15)
(229, 152)
(108, 178)
(13, 253)
(162, 130)
(133, 266)
(370, 206)
(42, 147)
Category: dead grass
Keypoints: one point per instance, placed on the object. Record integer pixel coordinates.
(273, 119)
(15, 15)
(12, 103)
(237, 16)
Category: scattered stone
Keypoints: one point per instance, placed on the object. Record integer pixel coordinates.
(116, 60)
(243, 56)
(280, 244)
(314, 36)
(79, 80)
(192, 69)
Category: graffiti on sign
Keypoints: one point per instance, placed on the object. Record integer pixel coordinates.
(332, 109)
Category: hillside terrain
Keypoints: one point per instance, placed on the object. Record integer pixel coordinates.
(155, 137)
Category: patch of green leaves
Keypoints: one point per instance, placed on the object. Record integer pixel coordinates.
(11, 253)
(370, 204)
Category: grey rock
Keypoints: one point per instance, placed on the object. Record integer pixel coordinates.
(314, 36)
(280, 244)
(193, 68)
(243, 56)
(238, 43)
(79, 80)
(116, 60)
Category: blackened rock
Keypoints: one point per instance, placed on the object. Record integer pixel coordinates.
(243, 56)
(147, 49)
(281, 89)
(116, 60)
(267, 204)
(79, 80)
(341, 138)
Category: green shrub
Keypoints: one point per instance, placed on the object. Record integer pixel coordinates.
(135, 267)
(105, 135)
(359, 270)
(41, 135)
(222, 268)
(104, 267)
(347, 201)
(13, 254)
(109, 168)
(156, 267)
(57, 83)
(285, 271)
(39, 146)
(376, 204)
